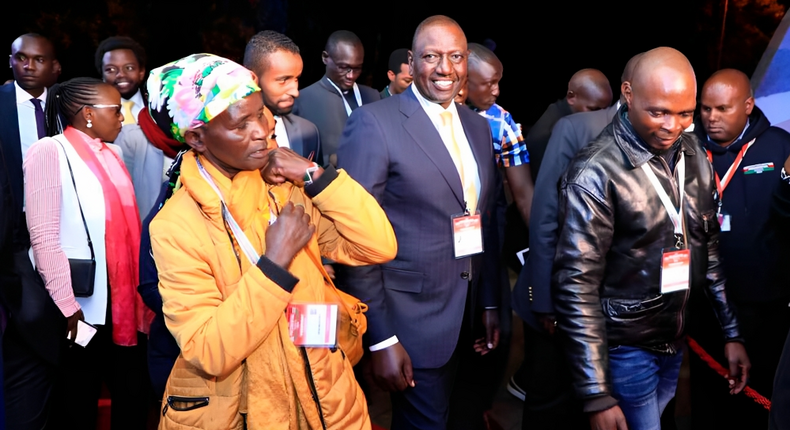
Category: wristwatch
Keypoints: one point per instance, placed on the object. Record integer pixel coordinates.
(784, 176)
(308, 174)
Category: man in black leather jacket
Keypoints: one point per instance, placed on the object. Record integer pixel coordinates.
(624, 324)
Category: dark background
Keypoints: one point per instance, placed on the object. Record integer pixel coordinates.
(541, 44)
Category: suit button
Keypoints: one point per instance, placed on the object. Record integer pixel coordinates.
(464, 275)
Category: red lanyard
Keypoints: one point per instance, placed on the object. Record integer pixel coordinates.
(722, 184)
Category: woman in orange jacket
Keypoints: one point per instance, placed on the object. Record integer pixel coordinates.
(237, 246)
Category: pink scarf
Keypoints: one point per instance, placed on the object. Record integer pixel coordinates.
(121, 236)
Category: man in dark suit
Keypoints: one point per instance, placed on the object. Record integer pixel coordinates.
(36, 328)
(328, 102)
(544, 376)
(275, 59)
(427, 162)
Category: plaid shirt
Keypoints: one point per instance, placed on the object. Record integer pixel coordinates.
(509, 146)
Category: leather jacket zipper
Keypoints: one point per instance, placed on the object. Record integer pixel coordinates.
(311, 382)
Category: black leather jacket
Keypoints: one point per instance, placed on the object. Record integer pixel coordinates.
(607, 269)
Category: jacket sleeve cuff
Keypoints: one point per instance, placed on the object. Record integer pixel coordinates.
(323, 181)
(600, 403)
(277, 274)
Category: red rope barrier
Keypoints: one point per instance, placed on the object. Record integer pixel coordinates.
(718, 368)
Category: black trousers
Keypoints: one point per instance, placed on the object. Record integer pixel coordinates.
(550, 403)
(121, 368)
(28, 383)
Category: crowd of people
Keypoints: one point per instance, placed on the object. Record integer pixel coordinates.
(208, 237)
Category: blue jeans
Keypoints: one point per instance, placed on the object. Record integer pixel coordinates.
(643, 383)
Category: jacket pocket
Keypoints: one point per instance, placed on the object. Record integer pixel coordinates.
(631, 308)
(183, 404)
(402, 280)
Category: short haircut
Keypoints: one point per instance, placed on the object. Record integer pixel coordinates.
(398, 57)
(479, 53)
(119, 42)
(436, 19)
(341, 36)
(264, 43)
(38, 36)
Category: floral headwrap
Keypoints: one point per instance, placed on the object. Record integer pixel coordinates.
(190, 92)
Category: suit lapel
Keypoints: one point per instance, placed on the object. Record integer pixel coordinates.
(12, 147)
(424, 133)
(294, 135)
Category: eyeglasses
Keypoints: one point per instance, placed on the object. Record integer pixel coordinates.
(345, 69)
(105, 106)
(100, 106)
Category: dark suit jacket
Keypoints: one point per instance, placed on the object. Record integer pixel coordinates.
(570, 134)
(32, 313)
(320, 103)
(303, 137)
(538, 137)
(393, 149)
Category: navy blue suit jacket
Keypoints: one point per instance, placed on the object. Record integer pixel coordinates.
(393, 149)
(571, 133)
(303, 137)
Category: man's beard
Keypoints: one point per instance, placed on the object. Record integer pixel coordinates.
(280, 112)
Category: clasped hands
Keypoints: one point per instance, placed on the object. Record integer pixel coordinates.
(293, 228)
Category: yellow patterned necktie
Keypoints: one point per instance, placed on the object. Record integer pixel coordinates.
(470, 190)
(128, 117)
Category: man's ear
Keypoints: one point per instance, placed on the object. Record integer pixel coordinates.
(411, 63)
(570, 97)
(391, 75)
(627, 92)
(194, 138)
(324, 56)
(749, 105)
(56, 67)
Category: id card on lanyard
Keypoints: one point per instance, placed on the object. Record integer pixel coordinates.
(675, 262)
(721, 184)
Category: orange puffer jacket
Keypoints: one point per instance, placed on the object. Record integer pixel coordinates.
(237, 361)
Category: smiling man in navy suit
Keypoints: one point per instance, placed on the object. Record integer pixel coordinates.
(428, 163)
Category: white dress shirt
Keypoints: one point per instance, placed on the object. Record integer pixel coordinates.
(281, 136)
(434, 111)
(26, 112)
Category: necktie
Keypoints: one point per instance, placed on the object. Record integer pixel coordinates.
(41, 123)
(128, 117)
(470, 190)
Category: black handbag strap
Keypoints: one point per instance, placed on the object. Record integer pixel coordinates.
(74, 183)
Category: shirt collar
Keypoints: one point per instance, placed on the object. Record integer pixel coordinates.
(432, 108)
(137, 99)
(23, 96)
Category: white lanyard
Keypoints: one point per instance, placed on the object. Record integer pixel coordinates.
(345, 102)
(676, 215)
(241, 238)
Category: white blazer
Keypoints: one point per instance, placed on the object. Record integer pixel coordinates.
(73, 240)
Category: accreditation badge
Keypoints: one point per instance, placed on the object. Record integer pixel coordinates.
(312, 325)
(467, 235)
(675, 270)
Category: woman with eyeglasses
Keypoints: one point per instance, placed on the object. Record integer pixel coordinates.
(80, 207)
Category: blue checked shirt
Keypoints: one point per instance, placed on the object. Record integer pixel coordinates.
(509, 146)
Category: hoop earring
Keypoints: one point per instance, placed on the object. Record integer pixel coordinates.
(89, 123)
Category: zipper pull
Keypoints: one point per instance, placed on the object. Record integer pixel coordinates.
(705, 222)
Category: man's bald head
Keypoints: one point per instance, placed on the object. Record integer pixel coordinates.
(588, 90)
(727, 102)
(661, 96)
